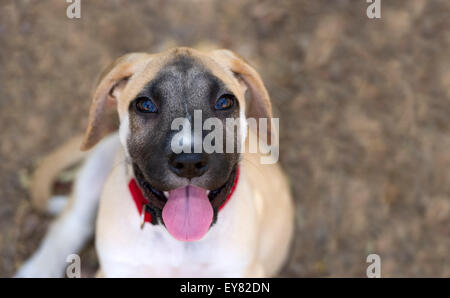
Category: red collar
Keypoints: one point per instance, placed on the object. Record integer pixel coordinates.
(141, 201)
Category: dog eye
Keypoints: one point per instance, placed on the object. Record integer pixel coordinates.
(146, 105)
(225, 102)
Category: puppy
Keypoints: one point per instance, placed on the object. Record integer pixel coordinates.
(163, 213)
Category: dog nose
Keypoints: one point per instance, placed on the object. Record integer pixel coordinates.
(188, 165)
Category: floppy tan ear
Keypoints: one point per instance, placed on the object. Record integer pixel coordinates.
(103, 111)
(259, 105)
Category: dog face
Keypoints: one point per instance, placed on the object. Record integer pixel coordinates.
(184, 189)
(179, 88)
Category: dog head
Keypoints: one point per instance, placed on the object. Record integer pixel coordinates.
(164, 101)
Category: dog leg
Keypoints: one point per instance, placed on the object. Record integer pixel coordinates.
(75, 226)
(57, 204)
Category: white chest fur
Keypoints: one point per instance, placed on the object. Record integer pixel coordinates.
(228, 249)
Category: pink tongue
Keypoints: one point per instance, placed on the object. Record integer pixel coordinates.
(188, 213)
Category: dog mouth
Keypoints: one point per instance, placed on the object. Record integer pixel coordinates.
(187, 212)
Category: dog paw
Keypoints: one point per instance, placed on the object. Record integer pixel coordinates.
(56, 204)
(39, 268)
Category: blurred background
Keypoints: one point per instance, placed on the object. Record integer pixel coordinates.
(364, 109)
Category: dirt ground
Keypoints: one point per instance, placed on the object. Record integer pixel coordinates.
(364, 109)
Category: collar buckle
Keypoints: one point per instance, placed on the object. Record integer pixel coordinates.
(144, 208)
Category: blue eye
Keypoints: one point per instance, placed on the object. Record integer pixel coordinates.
(224, 102)
(146, 105)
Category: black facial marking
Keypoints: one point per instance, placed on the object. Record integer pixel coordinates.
(179, 88)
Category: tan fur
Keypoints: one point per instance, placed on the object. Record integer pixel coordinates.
(272, 186)
(252, 235)
(139, 68)
(103, 108)
(49, 168)
(260, 105)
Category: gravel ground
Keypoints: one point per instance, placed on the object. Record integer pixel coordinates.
(363, 105)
